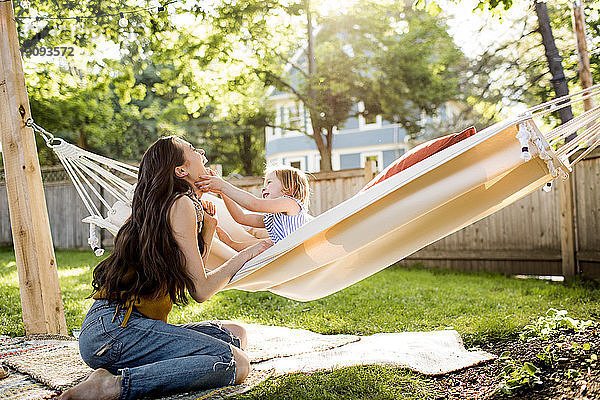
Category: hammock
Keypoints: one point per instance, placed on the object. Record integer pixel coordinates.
(393, 219)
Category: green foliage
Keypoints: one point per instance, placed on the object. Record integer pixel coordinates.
(127, 86)
(551, 324)
(515, 375)
(403, 65)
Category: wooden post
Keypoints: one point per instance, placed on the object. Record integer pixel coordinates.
(36, 264)
(370, 170)
(567, 228)
(568, 237)
(585, 73)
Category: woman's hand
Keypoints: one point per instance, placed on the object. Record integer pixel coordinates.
(223, 236)
(209, 207)
(209, 221)
(257, 248)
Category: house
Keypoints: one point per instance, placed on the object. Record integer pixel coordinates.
(358, 140)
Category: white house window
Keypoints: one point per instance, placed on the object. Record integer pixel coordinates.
(294, 116)
(376, 156)
(296, 162)
(316, 167)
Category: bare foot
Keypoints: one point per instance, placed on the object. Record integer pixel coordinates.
(100, 385)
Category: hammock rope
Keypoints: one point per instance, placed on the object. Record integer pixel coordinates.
(88, 171)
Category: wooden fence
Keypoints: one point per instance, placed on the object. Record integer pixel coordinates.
(523, 238)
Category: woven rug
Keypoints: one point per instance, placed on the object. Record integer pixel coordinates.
(57, 363)
(22, 387)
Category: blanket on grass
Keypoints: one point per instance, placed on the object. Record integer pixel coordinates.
(42, 368)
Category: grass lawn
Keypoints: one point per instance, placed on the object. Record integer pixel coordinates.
(480, 306)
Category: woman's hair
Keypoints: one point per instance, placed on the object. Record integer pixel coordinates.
(146, 260)
(294, 182)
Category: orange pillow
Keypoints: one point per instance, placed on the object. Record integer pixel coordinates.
(420, 153)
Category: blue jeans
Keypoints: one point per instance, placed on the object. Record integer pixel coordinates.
(154, 357)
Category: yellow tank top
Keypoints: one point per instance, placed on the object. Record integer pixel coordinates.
(153, 307)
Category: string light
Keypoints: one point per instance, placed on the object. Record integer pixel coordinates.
(122, 21)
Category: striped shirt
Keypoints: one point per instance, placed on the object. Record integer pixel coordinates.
(279, 225)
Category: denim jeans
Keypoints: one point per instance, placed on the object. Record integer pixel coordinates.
(154, 357)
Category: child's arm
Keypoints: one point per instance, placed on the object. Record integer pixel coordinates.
(247, 200)
(238, 246)
(242, 217)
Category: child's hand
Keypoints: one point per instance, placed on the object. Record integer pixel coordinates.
(210, 183)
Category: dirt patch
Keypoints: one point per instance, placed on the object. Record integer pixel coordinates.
(569, 373)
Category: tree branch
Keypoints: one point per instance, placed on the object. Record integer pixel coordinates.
(283, 83)
(289, 128)
(35, 39)
(294, 65)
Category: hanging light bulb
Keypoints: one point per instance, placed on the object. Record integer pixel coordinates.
(123, 22)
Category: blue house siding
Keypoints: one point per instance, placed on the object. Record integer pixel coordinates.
(350, 123)
(389, 156)
(348, 161)
(384, 135)
(290, 143)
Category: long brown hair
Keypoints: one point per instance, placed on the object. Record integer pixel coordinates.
(145, 249)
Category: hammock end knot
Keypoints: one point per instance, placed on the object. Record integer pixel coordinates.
(525, 154)
(547, 187)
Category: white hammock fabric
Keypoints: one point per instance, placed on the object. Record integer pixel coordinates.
(426, 202)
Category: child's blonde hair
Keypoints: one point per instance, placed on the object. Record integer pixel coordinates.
(294, 182)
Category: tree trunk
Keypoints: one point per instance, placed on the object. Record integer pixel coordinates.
(246, 155)
(559, 81)
(82, 140)
(585, 74)
(324, 148)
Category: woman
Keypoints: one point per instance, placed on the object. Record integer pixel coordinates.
(157, 260)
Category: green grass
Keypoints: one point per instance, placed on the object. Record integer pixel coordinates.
(480, 306)
(365, 382)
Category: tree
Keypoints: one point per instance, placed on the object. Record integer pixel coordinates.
(165, 79)
(559, 81)
(356, 57)
(554, 66)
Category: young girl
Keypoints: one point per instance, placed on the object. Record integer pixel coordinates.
(281, 210)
